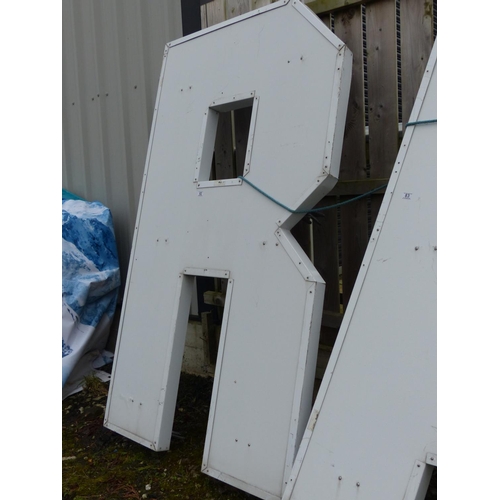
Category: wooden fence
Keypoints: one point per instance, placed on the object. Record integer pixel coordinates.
(391, 41)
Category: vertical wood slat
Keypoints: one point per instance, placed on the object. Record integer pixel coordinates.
(237, 7)
(326, 255)
(327, 20)
(301, 232)
(257, 4)
(223, 150)
(382, 91)
(242, 118)
(416, 45)
(354, 217)
(216, 12)
(204, 16)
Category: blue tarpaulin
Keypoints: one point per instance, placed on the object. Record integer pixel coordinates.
(90, 286)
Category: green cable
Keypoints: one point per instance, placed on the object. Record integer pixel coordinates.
(321, 209)
(420, 122)
(312, 210)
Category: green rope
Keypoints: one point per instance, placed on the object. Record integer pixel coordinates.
(312, 210)
(321, 209)
(421, 122)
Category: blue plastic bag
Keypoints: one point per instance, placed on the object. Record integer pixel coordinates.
(90, 287)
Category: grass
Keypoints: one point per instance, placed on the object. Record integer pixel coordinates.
(100, 464)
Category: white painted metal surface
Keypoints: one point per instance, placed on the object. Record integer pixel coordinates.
(372, 431)
(111, 62)
(189, 225)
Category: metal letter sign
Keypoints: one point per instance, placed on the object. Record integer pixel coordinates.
(294, 74)
(372, 431)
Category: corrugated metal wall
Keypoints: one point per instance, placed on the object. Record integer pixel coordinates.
(112, 57)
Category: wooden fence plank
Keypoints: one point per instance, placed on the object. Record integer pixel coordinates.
(242, 118)
(326, 255)
(216, 12)
(237, 8)
(257, 4)
(356, 187)
(327, 20)
(301, 232)
(416, 44)
(203, 15)
(354, 219)
(223, 151)
(348, 27)
(382, 91)
(327, 6)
